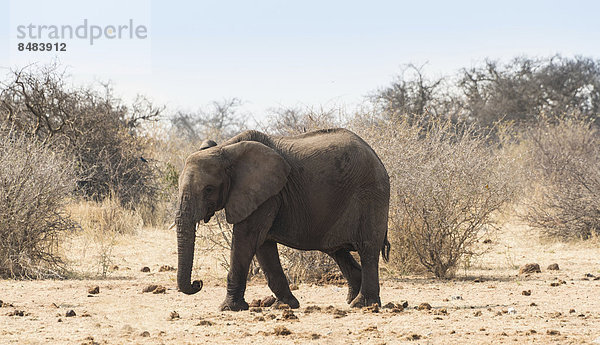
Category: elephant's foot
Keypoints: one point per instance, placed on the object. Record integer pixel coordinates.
(352, 293)
(361, 301)
(291, 301)
(230, 304)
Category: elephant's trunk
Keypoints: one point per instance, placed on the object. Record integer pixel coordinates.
(186, 237)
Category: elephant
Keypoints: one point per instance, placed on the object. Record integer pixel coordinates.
(325, 190)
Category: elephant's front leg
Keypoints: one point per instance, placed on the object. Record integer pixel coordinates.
(242, 251)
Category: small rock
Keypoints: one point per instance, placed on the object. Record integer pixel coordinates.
(526, 293)
(404, 304)
(115, 268)
(558, 283)
(553, 267)
(477, 313)
(413, 337)
(294, 287)
(145, 334)
(572, 311)
(424, 306)
(150, 288)
(511, 311)
(315, 336)
(16, 313)
(530, 268)
(556, 315)
(159, 289)
(271, 316)
(442, 311)
(205, 323)
(532, 304)
(281, 330)
(174, 316)
(256, 309)
(478, 280)
(254, 303)
(259, 318)
(552, 332)
(145, 269)
(288, 314)
(267, 301)
(456, 298)
(70, 313)
(94, 290)
(531, 332)
(165, 268)
(487, 241)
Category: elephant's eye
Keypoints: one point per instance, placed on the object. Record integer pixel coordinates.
(209, 189)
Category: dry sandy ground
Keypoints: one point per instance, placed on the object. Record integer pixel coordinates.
(490, 309)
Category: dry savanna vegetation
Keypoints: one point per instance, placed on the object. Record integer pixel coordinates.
(494, 214)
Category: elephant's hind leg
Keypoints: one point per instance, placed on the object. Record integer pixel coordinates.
(351, 271)
(369, 289)
(268, 258)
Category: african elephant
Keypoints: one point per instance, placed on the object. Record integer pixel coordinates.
(325, 190)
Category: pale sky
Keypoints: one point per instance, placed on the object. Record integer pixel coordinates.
(306, 53)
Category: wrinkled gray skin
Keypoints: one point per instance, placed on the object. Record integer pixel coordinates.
(325, 190)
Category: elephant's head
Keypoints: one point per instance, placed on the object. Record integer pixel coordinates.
(238, 177)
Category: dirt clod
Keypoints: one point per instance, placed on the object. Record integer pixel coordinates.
(159, 289)
(256, 309)
(288, 314)
(259, 318)
(413, 337)
(315, 336)
(254, 303)
(145, 269)
(477, 313)
(150, 288)
(424, 306)
(267, 301)
(94, 290)
(70, 313)
(526, 293)
(166, 268)
(530, 268)
(205, 323)
(552, 332)
(16, 313)
(145, 334)
(374, 308)
(173, 316)
(281, 330)
(311, 308)
(553, 267)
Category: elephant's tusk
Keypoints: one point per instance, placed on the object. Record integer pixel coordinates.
(172, 226)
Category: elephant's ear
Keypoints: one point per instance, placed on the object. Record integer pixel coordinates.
(207, 144)
(257, 173)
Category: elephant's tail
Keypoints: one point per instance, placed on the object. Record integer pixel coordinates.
(385, 250)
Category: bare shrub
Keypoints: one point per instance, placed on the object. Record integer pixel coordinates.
(102, 223)
(34, 183)
(447, 181)
(566, 165)
(94, 129)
